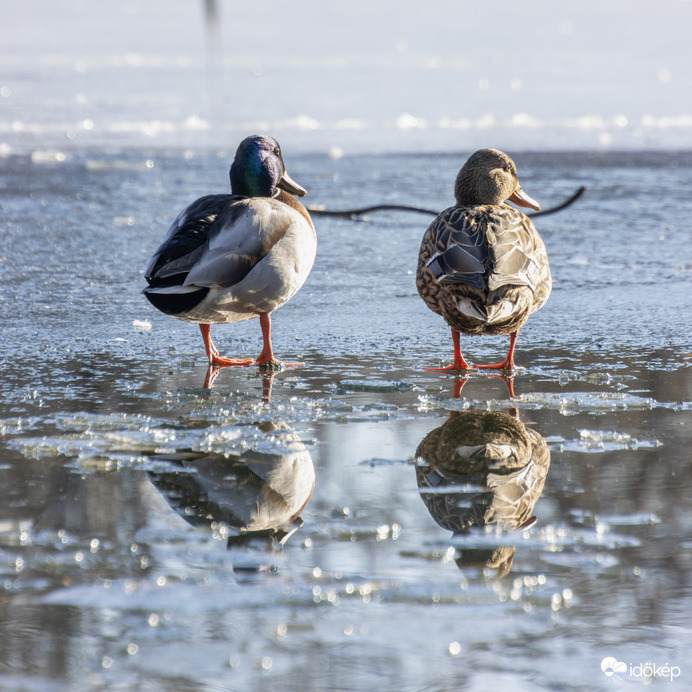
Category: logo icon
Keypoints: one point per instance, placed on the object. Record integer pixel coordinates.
(610, 666)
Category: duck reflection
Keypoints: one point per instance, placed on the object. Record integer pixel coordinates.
(481, 468)
(252, 497)
(267, 379)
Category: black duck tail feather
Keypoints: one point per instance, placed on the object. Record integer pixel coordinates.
(175, 303)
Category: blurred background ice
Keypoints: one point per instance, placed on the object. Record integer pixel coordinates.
(346, 77)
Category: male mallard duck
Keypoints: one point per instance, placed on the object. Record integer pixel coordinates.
(228, 258)
(482, 264)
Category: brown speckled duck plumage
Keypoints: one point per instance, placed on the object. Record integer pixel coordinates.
(482, 264)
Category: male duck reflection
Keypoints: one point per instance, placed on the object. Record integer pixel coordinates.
(228, 258)
(479, 468)
(258, 493)
(482, 264)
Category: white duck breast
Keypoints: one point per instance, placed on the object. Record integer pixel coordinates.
(259, 492)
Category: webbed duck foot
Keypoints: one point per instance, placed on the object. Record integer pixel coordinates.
(215, 358)
(504, 365)
(454, 367)
(508, 363)
(223, 362)
(266, 360)
(459, 364)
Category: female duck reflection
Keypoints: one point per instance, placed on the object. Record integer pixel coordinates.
(479, 468)
(257, 494)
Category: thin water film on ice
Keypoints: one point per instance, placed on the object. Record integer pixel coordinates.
(358, 518)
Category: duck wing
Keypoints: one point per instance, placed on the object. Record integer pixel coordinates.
(516, 250)
(238, 240)
(216, 241)
(487, 247)
(185, 240)
(459, 249)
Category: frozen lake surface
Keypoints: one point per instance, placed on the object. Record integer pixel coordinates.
(126, 482)
(362, 77)
(336, 526)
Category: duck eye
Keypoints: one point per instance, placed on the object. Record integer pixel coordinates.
(277, 151)
(508, 168)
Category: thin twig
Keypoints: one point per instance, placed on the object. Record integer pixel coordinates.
(564, 205)
(352, 213)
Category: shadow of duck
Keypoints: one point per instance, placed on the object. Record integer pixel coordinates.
(481, 468)
(254, 499)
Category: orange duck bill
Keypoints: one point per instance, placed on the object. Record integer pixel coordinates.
(521, 199)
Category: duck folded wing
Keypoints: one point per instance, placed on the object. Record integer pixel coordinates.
(216, 242)
(186, 235)
(461, 249)
(516, 252)
(458, 266)
(239, 240)
(487, 246)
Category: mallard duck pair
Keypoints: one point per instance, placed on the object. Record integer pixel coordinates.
(233, 257)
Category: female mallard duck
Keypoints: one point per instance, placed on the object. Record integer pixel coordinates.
(482, 264)
(228, 258)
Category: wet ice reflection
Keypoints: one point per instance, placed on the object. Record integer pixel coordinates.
(110, 582)
(481, 468)
(255, 495)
